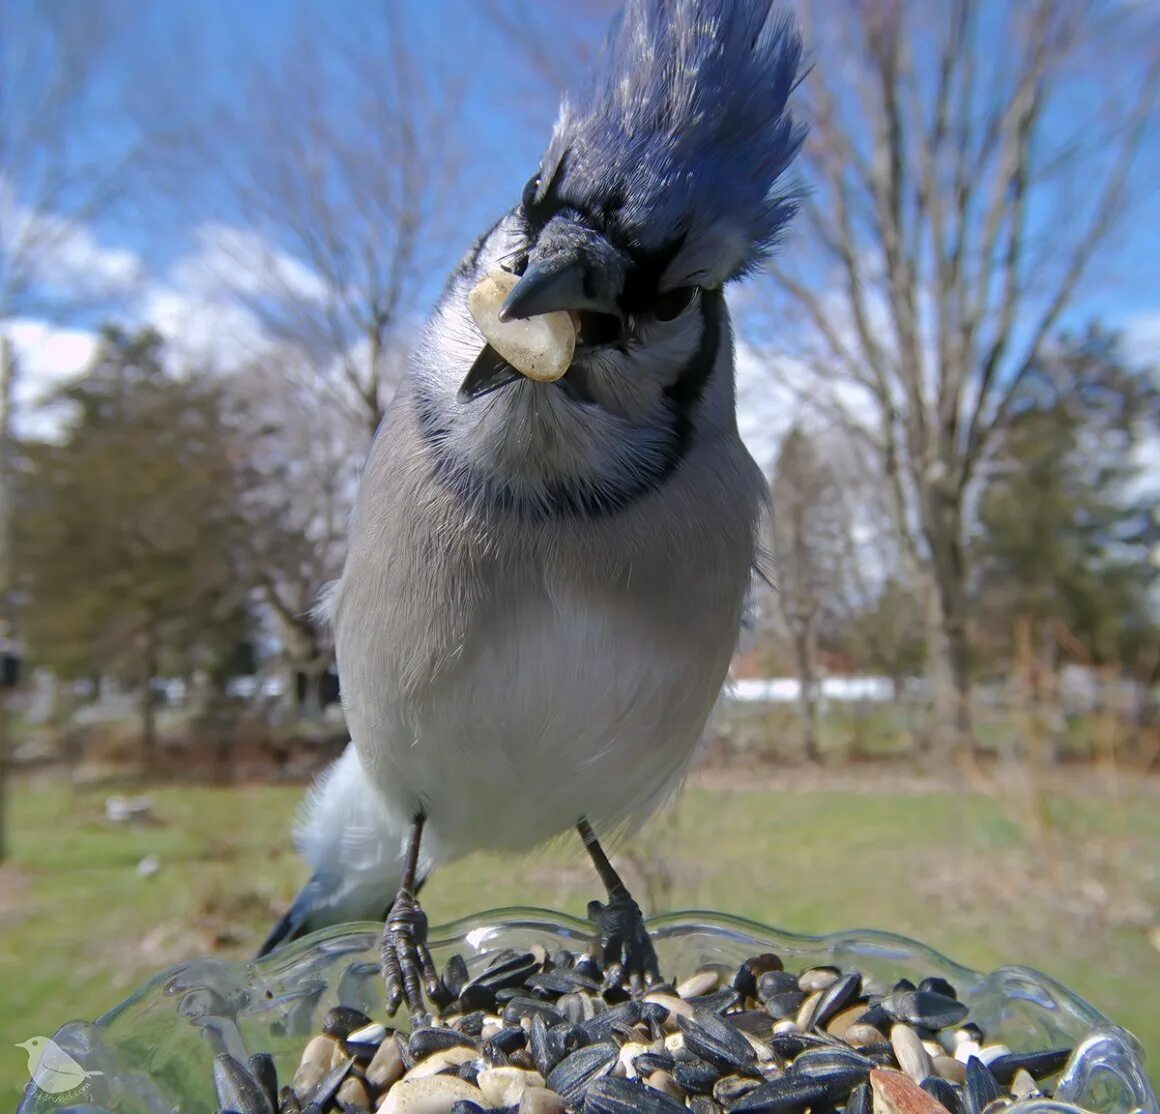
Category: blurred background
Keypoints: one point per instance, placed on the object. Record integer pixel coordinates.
(221, 228)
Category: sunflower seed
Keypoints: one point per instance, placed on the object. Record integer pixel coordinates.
(925, 1008)
(697, 1077)
(839, 994)
(237, 1089)
(788, 1094)
(628, 1096)
(943, 1092)
(715, 1040)
(572, 1075)
(1039, 1065)
(912, 1057)
(980, 1087)
(896, 1093)
(433, 1094)
(341, 1021)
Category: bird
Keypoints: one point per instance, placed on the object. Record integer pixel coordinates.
(558, 523)
(52, 1069)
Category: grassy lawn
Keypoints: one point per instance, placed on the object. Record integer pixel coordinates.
(80, 927)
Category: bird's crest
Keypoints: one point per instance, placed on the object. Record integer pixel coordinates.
(681, 139)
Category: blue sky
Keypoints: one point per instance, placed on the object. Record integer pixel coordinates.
(179, 60)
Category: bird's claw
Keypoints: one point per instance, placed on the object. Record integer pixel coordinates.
(407, 965)
(625, 945)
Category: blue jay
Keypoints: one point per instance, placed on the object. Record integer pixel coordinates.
(546, 571)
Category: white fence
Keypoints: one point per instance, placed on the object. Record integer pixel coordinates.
(785, 690)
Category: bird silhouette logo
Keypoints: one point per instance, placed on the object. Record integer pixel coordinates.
(52, 1069)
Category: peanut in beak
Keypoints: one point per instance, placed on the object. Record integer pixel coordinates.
(540, 348)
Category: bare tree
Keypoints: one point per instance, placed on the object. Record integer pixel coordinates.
(62, 72)
(809, 523)
(333, 176)
(303, 457)
(968, 163)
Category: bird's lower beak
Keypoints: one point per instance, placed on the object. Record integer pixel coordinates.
(538, 345)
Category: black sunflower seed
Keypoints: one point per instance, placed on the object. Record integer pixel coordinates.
(288, 1101)
(789, 1094)
(422, 1042)
(341, 1021)
(648, 1062)
(745, 981)
(791, 1045)
(938, 986)
(518, 1008)
(1039, 1065)
(538, 1046)
(558, 982)
(785, 1004)
(262, 1068)
(456, 975)
(943, 1091)
(980, 1087)
(600, 1027)
(471, 1024)
(772, 983)
(860, 1100)
(509, 1039)
(696, 1076)
(717, 1002)
(834, 999)
(610, 1095)
(923, 1007)
(731, 1089)
(755, 1022)
(237, 1089)
(824, 1058)
(714, 1039)
(326, 1088)
(573, 1074)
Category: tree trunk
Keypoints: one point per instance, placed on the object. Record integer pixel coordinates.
(148, 701)
(953, 696)
(310, 707)
(804, 649)
(7, 393)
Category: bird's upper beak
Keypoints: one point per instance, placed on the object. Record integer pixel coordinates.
(570, 268)
(532, 322)
(559, 282)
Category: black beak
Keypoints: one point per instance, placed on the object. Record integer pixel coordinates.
(489, 373)
(557, 283)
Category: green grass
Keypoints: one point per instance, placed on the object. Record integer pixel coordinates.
(79, 928)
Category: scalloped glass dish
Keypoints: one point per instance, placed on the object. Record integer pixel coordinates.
(153, 1053)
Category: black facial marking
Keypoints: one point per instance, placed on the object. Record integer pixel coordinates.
(586, 497)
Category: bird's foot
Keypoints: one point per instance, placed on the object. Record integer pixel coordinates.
(625, 945)
(407, 966)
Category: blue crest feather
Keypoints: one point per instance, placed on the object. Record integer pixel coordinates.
(684, 132)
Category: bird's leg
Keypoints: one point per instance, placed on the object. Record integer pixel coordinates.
(624, 941)
(407, 966)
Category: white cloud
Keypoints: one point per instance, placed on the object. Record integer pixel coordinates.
(766, 404)
(203, 325)
(249, 265)
(1142, 337)
(47, 357)
(62, 255)
(200, 305)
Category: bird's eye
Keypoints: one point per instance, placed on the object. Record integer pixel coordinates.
(673, 303)
(530, 191)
